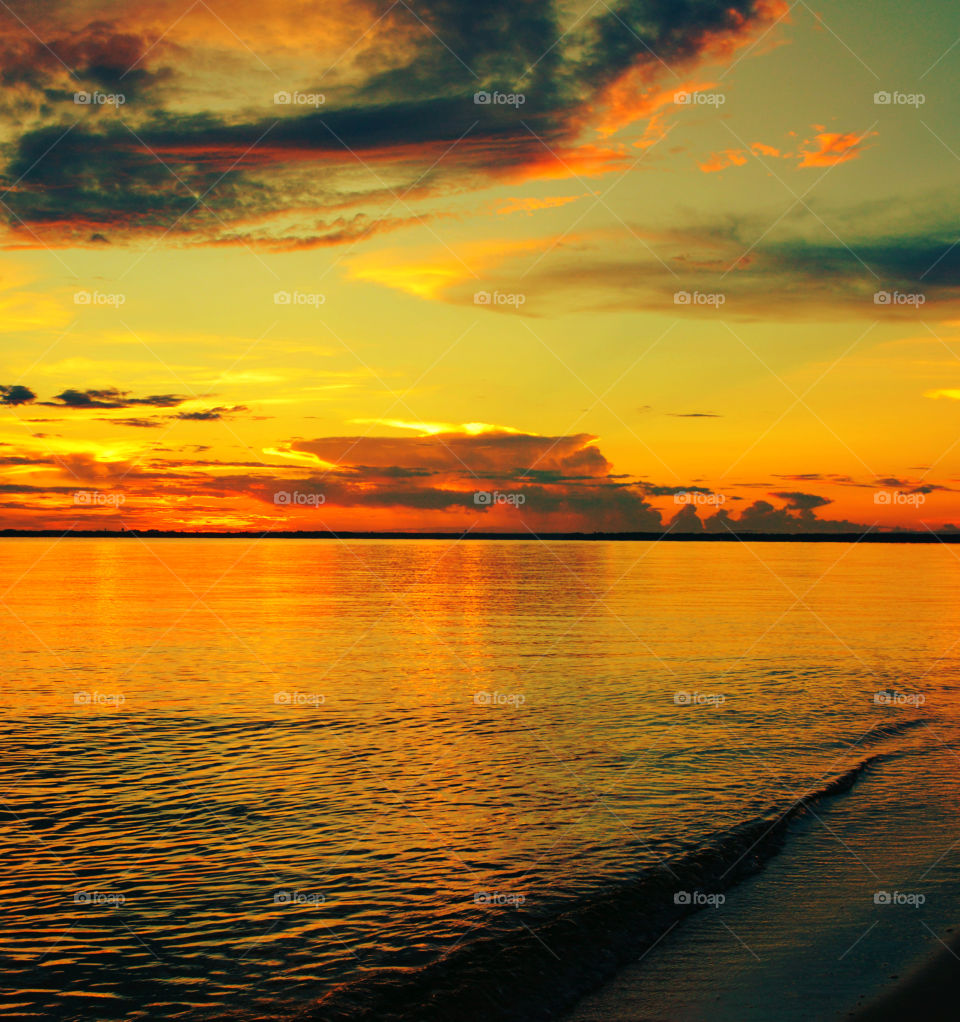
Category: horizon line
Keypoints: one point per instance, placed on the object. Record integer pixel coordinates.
(871, 535)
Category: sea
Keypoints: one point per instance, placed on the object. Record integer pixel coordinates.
(473, 780)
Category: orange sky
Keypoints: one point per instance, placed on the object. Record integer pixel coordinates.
(518, 266)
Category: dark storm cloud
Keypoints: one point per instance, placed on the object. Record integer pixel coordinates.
(211, 414)
(920, 261)
(111, 397)
(14, 394)
(803, 501)
(670, 491)
(686, 520)
(100, 180)
(101, 56)
(666, 30)
(795, 518)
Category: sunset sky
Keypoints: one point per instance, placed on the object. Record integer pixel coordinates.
(282, 266)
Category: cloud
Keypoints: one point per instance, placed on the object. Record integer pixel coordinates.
(757, 270)
(15, 394)
(111, 397)
(830, 148)
(795, 518)
(803, 501)
(497, 456)
(722, 160)
(489, 481)
(686, 520)
(211, 414)
(530, 204)
(138, 423)
(188, 161)
(826, 149)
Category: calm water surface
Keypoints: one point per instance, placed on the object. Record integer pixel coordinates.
(240, 776)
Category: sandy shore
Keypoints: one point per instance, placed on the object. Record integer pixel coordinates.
(931, 992)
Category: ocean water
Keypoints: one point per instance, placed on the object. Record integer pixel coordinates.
(425, 779)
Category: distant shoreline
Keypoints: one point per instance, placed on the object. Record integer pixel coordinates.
(619, 537)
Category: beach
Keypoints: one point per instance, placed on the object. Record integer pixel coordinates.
(930, 991)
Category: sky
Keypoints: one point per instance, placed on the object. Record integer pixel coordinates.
(610, 266)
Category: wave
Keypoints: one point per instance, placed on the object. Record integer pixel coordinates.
(544, 966)
(891, 729)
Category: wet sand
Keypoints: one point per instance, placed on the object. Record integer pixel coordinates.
(930, 992)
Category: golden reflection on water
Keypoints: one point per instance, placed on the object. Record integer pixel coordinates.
(398, 726)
